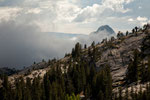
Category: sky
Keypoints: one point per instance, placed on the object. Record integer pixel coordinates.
(76, 16)
(24, 25)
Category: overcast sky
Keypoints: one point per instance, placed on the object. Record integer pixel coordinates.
(77, 16)
(22, 23)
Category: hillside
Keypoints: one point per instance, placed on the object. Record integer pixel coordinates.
(117, 53)
(8, 71)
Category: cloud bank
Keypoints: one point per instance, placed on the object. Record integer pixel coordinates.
(22, 44)
(71, 16)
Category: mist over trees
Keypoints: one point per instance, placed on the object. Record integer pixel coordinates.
(58, 85)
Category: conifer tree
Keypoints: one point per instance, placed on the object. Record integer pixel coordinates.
(100, 95)
(127, 33)
(136, 29)
(148, 71)
(93, 44)
(5, 90)
(133, 72)
(126, 94)
(85, 46)
(120, 94)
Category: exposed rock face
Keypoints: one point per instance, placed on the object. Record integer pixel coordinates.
(136, 88)
(116, 53)
(119, 57)
(105, 28)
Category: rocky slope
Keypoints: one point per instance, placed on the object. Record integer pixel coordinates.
(117, 53)
(119, 56)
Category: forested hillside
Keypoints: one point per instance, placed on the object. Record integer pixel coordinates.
(113, 69)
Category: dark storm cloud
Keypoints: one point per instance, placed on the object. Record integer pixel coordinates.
(22, 44)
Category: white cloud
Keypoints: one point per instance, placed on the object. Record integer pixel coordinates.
(143, 23)
(130, 19)
(75, 1)
(139, 18)
(142, 20)
(140, 7)
(138, 21)
(66, 11)
(89, 13)
(34, 10)
(74, 39)
(7, 13)
(116, 5)
(92, 13)
(56, 14)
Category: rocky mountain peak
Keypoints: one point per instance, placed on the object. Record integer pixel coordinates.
(106, 28)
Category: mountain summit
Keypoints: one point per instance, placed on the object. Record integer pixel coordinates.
(106, 28)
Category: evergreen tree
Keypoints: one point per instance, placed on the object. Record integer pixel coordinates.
(133, 30)
(136, 29)
(127, 33)
(100, 95)
(5, 90)
(85, 46)
(93, 44)
(76, 52)
(120, 94)
(36, 89)
(148, 71)
(133, 72)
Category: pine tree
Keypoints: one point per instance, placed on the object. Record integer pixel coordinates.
(92, 73)
(133, 72)
(85, 46)
(100, 95)
(133, 30)
(83, 76)
(69, 86)
(143, 73)
(120, 94)
(93, 44)
(47, 87)
(127, 33)
(109, 83)
(5, 90)
(136, 29)
(73, 53)
(19, 88)
(76, 79)
(148, 71)
(36, 89)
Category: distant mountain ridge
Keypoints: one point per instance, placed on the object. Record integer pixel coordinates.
(64, 35)
(101, 29)
(7, 71)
